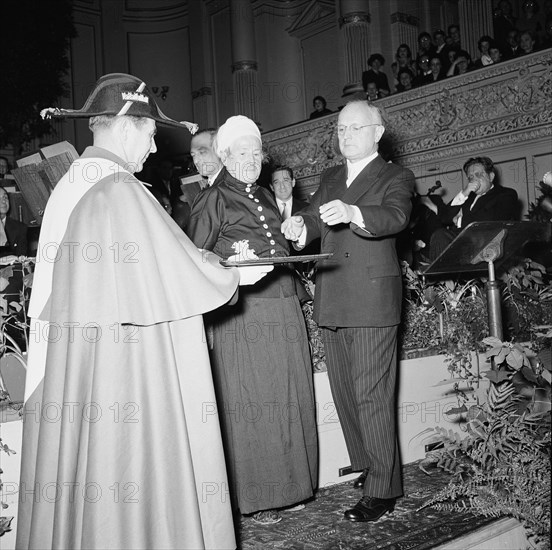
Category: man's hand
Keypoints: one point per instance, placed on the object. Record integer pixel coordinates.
(250, 274)
(335, 212)
(472, 187)
(293, 227)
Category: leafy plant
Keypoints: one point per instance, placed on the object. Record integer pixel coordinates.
(502, 466)
(449, 316)
(318, 355)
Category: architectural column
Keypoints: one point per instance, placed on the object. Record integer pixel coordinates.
(354, 24)
(244, 63)
(201, 66)
(404, 30)
(476, 20)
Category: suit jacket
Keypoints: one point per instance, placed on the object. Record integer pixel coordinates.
(297, 205)
(160, 188)
(361, 285)
(16, 232)
(498, 204)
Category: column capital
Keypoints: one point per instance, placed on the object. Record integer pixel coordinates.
(354, 17)
(203, 91)
(400, 17)
(244, 66)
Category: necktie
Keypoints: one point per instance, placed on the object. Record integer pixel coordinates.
(283, 210)
(3, 236)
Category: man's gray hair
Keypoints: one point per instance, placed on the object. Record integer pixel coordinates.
(375, 113)
(108, 121)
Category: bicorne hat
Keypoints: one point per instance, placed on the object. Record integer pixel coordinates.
(119, 94)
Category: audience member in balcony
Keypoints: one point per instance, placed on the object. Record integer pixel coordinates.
(404, 59)
(425, 46)
(358, 209)
(320, 109)
(352, 91)
(483, 45)
(481, 200)
(260, 356)
(406, 80)
(436, 70)
(512, 49)
(461, 65)
(454, 37)
(372, 91)
(376, 61)
(424, 71)
(441, 47)
(495, 53)
(503, 22)
(395, 72)
(546, 41)
(527, 42)
(530, 18)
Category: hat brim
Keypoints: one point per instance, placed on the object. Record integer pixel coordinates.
(119, 94)
(55, 112)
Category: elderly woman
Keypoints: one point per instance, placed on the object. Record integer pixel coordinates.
(260, 355)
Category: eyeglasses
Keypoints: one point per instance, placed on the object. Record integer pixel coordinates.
(341, 130)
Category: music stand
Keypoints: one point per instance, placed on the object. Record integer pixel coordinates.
(489, 246)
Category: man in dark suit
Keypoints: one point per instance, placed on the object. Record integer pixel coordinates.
(357, 211)
(481, 200)
(210, 171)
(282, 184)
(164, 183)
(13, 234)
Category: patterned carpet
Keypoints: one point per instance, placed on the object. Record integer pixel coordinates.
(320, 526)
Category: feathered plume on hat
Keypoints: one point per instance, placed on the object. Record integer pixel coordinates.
(119, 94)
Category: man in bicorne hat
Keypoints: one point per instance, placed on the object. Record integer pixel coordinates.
(121, 443)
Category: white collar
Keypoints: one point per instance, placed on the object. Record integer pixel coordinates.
(355, 168)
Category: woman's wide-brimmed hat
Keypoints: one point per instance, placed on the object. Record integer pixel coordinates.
(119, 94)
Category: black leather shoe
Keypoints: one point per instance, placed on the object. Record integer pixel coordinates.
(358, 483)
(370, 509)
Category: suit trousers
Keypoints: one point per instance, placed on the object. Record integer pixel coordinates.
(362, 369)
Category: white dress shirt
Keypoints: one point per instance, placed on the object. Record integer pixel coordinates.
(353, 170)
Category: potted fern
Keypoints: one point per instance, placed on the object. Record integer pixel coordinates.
(501, 465)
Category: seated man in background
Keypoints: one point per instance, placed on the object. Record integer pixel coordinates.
(481, 200)
(13, 234)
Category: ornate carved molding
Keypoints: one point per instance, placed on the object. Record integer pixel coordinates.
(356, 17)
(489, 108)
(205, 90)
(280, 9)
(244, 66)
(399, 17)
